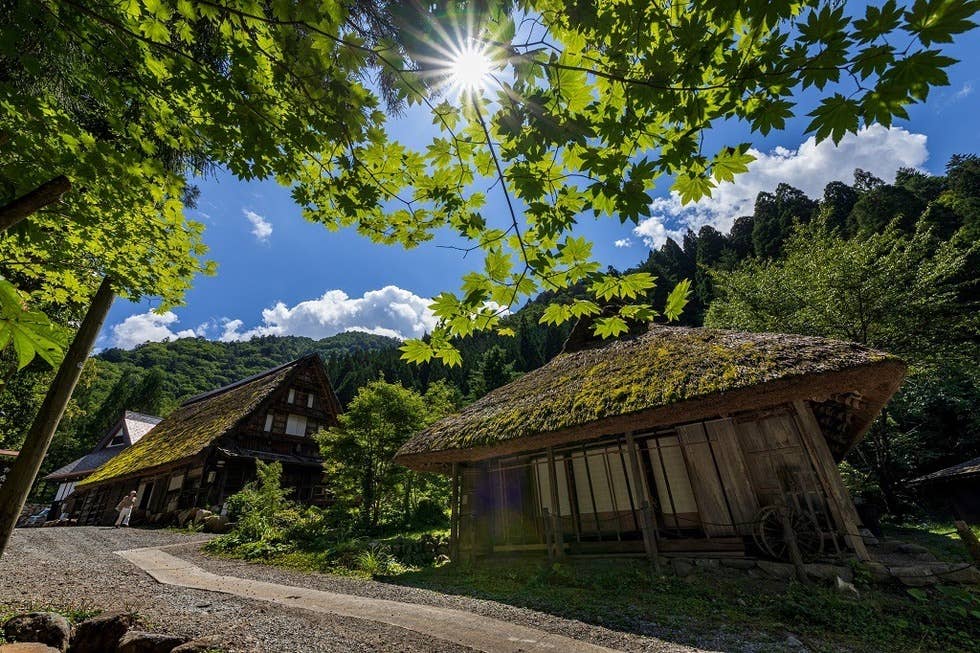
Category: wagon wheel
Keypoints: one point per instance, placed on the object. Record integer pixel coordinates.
(768, 534)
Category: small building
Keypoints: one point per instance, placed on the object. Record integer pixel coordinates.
(127, 431)
(668, 441)
(956, 488)
(206, 449)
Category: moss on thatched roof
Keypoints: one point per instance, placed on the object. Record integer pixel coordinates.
(660, 367)
(194, 425)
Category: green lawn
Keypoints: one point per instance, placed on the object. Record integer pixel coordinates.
(940, 538)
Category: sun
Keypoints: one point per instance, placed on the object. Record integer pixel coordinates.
(469, 69)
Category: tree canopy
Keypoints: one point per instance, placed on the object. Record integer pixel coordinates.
(584, 107)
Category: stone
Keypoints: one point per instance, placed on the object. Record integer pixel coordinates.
(27, 647)
(914, 576)
(102, 633)
(706, 563)
(846, 588)
(216, 524)
(963, 574)
(879, 572)
(828, 572)
(201, 515)
(137, 641)
(777, 569)
(868, 537)
(185, 516)
(911, 549)
(42, 627)
(738, 563)
(793, 642)
(682, 567)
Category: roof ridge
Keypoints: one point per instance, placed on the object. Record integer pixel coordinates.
(249, 379)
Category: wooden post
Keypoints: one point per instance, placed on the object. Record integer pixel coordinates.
(838, 498)
(969, 539)
(454, 516)
(23, 206)
(15, 489)
(648, 524)
(548, 538)
(556, 535)
(789, 537)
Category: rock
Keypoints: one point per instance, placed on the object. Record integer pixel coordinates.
(216, 524)
(137, 641)
(777, 569)
(868, 537)
(879, 572)
(911, 549)
(963, 574)
(27, 647)
(793, 642)
(102, 633)
(915, 576)
(185, 516)
(682, 567)
(738, 563)
(845, 588)
(828, 572)
(42, 627)
(201, 515)
(706, 563)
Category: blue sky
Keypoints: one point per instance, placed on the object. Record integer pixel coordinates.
(279, 274)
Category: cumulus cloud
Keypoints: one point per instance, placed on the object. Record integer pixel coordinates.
(810, 167)
(149, 327)
(261, 228)
(390, 311)
(624, 242)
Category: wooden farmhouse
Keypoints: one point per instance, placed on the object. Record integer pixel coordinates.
(206, 450)
(127, 431)
(669, 441)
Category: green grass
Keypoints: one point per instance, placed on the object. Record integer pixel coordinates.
(626, 595)
(940, 538)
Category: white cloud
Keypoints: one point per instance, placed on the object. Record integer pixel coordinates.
(624, 242)
(390, 311)
(964, 91)
(147, 327)
(261, 228)
(812, 166)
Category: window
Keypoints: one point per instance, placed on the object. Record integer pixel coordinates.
(118, 439)
(296, 425)
(268, 421)
(292, 396)
(309, 400)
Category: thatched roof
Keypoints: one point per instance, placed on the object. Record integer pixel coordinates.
(960, 471)
(196, 424)
(132, 426)
(665, 375)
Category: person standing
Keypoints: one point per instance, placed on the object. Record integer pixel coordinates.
(125, 508)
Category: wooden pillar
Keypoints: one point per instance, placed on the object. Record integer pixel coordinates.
(454, 516)
(838, 498)
(556, 535)
(647, 524)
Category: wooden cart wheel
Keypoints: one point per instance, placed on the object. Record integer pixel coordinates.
(768, 534)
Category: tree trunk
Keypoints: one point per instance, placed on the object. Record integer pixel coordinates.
(47, 193)
(14, 491)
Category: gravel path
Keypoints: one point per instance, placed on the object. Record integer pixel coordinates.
(82, 571)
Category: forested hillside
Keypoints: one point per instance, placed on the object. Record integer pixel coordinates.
(891, 265)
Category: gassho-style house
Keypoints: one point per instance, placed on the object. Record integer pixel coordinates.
(206, 450)
(669, 441)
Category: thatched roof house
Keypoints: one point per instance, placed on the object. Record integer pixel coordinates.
(205, 450)
(958, 487)
(714, 398)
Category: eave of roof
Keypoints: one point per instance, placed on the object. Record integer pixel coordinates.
(667, 375)
(965, 469)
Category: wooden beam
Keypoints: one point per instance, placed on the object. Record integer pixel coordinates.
(646, 505)
(556, 535)
(838, 498)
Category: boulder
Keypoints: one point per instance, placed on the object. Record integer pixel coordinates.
(137, 641)
(879, 572)
(964, 574)
(27, 647)
(911, 549)
(216, 524)
(915, 576)
(706, 563)
(200, 645)
(102, 633)
(682, 567)
(777, 569)
(42, 627)
(201, 515)
(185, 516)
(828, 572)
